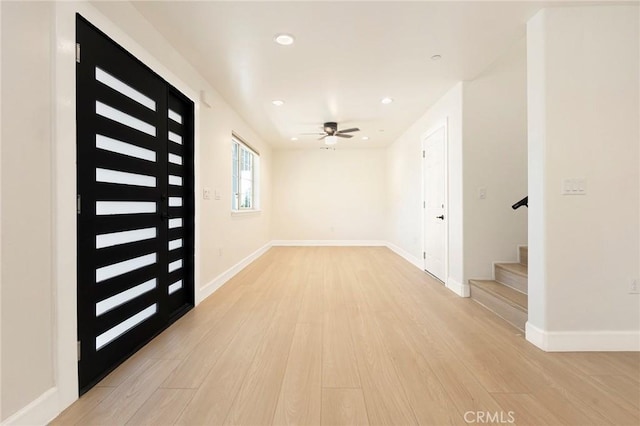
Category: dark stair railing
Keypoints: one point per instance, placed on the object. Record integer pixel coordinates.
(523, 202)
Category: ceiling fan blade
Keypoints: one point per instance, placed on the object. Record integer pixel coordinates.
(314, 134)
(353, 129)
(323, 137)
(340, 135)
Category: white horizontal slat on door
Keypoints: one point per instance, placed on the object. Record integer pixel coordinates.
(175, 223)
(175, 287)
(123, 297)
(175, 265)
(174, 137)
(125, 178)
(125, 207)
(175, 116)
(126, 325)
(124, 118)
(124, 148)
(175, 201)
(175, 180)
(175, 244)
(175, 159)
(123, 88)
(124, 237)
(120, 268)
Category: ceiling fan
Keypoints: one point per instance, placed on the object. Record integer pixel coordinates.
(331, 133)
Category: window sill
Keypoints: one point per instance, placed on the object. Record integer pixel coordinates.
(245, 212)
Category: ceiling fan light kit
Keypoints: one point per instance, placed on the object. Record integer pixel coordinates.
(331, 140)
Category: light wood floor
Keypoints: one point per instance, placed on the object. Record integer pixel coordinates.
(350, 336)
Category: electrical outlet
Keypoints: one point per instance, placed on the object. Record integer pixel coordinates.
(220, 252)
(206, 193)
(635, 287)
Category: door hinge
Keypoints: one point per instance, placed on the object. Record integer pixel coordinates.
(424, 256)
(78, 204)
(424, 154)
(78, 52)
(424, 204)
(79, 351)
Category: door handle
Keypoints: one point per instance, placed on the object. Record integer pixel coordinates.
(441, 217)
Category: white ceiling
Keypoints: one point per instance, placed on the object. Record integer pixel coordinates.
(346, 57)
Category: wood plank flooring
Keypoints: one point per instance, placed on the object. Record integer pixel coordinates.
(353, 336)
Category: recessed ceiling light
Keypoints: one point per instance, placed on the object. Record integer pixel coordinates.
(284, 39)
(386, 101)
(365, 138)
(294, 138)
(277, 102)
(436, 57)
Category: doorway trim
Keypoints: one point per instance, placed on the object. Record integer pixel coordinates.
(64, 327)
(441, 125)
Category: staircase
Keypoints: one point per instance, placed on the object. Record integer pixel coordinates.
(506, 296)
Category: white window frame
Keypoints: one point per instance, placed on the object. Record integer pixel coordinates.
(237, 180)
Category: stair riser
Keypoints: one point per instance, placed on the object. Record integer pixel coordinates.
(512, 280)
(524, 255)
(512, 315)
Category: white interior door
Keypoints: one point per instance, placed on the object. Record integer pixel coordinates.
(435, 202)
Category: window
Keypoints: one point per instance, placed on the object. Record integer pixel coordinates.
(245, 174)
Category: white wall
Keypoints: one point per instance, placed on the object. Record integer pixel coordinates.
(495, 157)
(329, 195)
(27, 288)
(39, 369)
(584, 123)
(404, 170)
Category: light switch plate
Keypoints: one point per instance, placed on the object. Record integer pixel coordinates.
(574, 186)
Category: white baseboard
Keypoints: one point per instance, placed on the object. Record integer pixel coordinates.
(583, 341)
(328, 243)
(415, 261)
(535, 335)
(462, 290)
(40, 411)
(218, 281)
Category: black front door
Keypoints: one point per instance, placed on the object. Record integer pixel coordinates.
(135, 203)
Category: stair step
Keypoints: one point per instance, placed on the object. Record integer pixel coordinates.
(506, 293)
(506, 302)
(514, 275)
(524, 255)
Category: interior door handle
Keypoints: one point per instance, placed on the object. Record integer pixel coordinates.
(441, 217)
